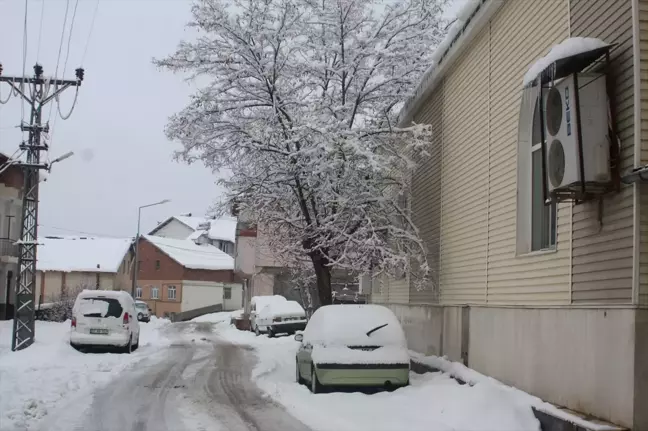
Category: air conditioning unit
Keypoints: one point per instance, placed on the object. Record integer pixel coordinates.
(562, 127)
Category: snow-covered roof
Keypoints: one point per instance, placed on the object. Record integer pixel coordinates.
(191, 255)
(81, 254)
(348, 325)
(218, 229)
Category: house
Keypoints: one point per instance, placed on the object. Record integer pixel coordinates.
(550, 298)
(219, 232)
(68, 264)
(11, 182)
(182, 279)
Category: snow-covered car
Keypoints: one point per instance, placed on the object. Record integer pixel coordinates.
(281, 317)
(143, 311)
(103, 318)
(257, 303)
(353, 346)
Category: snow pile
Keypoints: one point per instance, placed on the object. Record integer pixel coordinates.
(191, 255)
(282, 309)
(83, 254)
(565, 49)
(433, 401)
(472, 378)
(351, 325)
(49, 379)
(223, 316)
(261, 301)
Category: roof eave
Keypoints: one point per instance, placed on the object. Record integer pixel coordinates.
(432, 78)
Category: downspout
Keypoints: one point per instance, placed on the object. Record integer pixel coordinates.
(636, 245)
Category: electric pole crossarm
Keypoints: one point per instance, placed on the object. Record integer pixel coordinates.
(40, 81)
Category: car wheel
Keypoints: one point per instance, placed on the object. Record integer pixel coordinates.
(140, 317)
(256, 331)
(315, 388)
(136, 345)
(129, 347)
(270, 333)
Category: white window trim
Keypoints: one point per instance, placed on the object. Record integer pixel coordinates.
(138, 292)
(175, 293)
(524, 201)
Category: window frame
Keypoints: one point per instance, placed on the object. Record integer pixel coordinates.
(155, 292)
(138, 292)
(526, 242)
(227, 293)
(175, 293)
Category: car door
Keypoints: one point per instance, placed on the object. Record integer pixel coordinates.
(304, 358)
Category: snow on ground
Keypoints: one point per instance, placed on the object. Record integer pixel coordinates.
(37, 382)
(433, 401)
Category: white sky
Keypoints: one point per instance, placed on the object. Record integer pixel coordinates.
(122, 157)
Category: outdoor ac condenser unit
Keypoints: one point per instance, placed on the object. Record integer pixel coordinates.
(561, 132)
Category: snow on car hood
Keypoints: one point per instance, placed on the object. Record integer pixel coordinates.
(345, 355)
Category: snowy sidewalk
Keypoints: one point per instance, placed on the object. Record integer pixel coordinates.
(51, 381)
(433, 401)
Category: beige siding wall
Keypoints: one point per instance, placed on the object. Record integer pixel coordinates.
(521, 33)
(426, 198)
(602, 253)
(643, 211)
(464, 197)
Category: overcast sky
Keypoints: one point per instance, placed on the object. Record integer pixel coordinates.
(122, 158)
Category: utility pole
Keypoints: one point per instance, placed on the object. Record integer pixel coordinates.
(41, 91)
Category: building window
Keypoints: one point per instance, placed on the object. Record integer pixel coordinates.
(171, 293)
(155, 293)
(227, 293)
(543, 217)
(138, 292)
(536, 222)
(157, 265)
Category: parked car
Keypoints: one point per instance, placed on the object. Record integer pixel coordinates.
(353, 346)
(104, 319)
(257, 303)
(143, 311)
(281, 317)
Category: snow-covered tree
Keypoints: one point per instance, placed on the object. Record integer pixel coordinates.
(300, 109)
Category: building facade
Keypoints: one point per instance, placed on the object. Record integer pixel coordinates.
(11, 182)
(556, 309)
(178, 278)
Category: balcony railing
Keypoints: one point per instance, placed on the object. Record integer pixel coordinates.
(8, 247)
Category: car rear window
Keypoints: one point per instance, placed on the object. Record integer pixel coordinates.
(100, 307)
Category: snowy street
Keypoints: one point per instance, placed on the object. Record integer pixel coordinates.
(206, 375)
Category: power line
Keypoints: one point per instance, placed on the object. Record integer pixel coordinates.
(58, 58)
(40, 29)
(78, 231)
(92, 24)
(67, 51)
(22, 101)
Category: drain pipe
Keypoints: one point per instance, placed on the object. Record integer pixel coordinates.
(639, 173)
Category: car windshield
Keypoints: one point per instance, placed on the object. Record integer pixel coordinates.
(100, 307)
(140, 305)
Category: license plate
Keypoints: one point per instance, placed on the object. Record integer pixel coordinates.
(99, 331)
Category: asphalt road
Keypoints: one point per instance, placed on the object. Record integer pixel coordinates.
(200, 385)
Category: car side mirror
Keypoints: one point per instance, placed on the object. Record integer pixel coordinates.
(299, 337)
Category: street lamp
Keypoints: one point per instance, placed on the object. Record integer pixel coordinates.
(136, 266)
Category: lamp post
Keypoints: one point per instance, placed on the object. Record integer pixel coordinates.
(136, 266)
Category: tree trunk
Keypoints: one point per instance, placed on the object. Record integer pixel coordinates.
(323, 274)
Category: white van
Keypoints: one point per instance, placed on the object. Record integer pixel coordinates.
(105, 318)
(258, 303)
(281, 317)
